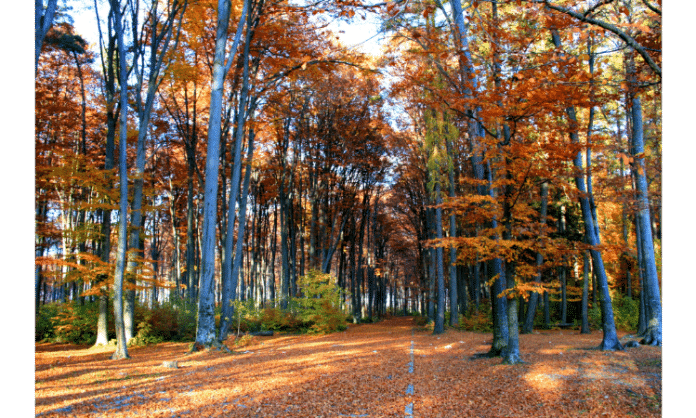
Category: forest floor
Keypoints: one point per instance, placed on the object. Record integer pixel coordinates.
(390, 368)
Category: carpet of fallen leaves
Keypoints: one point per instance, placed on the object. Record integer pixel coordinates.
(362, 372)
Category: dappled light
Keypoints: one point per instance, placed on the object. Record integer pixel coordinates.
(362, 371)
(258, 215)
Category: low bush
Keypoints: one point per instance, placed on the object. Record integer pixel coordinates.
(319, 307)
(75, 323)
(275, 319)
(146, 334)
(46, 322)
(420, 321)
(477, 321)
(626, 311)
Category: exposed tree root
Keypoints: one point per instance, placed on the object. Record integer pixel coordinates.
(215, 345)
(652, 338)
(512, 359)
(610, 346)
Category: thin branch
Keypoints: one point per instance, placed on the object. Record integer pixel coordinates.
(597, 6)
(611, 28)
(651, 7)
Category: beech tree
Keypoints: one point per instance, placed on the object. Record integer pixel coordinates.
(205, 331)
(43, 20)
(511, 134)
(121, 352)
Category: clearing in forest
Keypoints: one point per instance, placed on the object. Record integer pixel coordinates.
(390, 368)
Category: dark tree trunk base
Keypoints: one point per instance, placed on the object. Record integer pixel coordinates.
(215, 345)
(512, 359)
(652, 338)
(118, 355)
(492, 353)
(483, 355)
(610, 346)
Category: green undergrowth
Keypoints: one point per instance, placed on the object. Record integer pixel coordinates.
(316, 310)
(77, 323)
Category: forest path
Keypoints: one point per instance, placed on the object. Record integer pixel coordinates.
(390, 368)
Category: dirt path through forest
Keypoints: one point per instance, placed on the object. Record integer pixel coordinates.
(391, 368)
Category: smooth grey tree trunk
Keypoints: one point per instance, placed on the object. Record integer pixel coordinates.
(610, 340)
(585, 328)
(121, 349)
(229, 282)
(205, 329)
(653, 335)
(534, 297)
(224, 326)
(440, 318)
(108, 68)
(499, 311)
(43, 20)
(432, 266)
(161, 34)
(454, 311)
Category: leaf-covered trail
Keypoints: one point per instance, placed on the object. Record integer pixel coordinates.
(390, 368)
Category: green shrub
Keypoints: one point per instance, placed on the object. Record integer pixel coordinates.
(146, 334)
(45, 322)
(594, 317)
(420, 321)
(477, 321)
(75, 323)
(275, 319)
(320, 305)
(246, 317)
(626, 311)
(169, 321)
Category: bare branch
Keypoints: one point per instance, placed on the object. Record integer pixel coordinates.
(653, 8)
(597, 6)
(611, 28)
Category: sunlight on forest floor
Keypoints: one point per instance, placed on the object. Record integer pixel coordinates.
(360, 372)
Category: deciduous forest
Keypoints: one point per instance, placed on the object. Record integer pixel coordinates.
(215, 179)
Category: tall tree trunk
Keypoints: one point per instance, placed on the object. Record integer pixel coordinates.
(205, 330)
(121, 349)
(454, 312)
(229, 280)
(240, 233)
(499, 311)
(585, 328)
(610, 340)
(562, 268)
(189, 272)
(440, 319)
(159, 43)
(432, 266)
(534, 297)
(501, 330)
(229, 284)
(43, 20)
(653, 336)
(271, 266)
(284, 251)
(111, 119)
